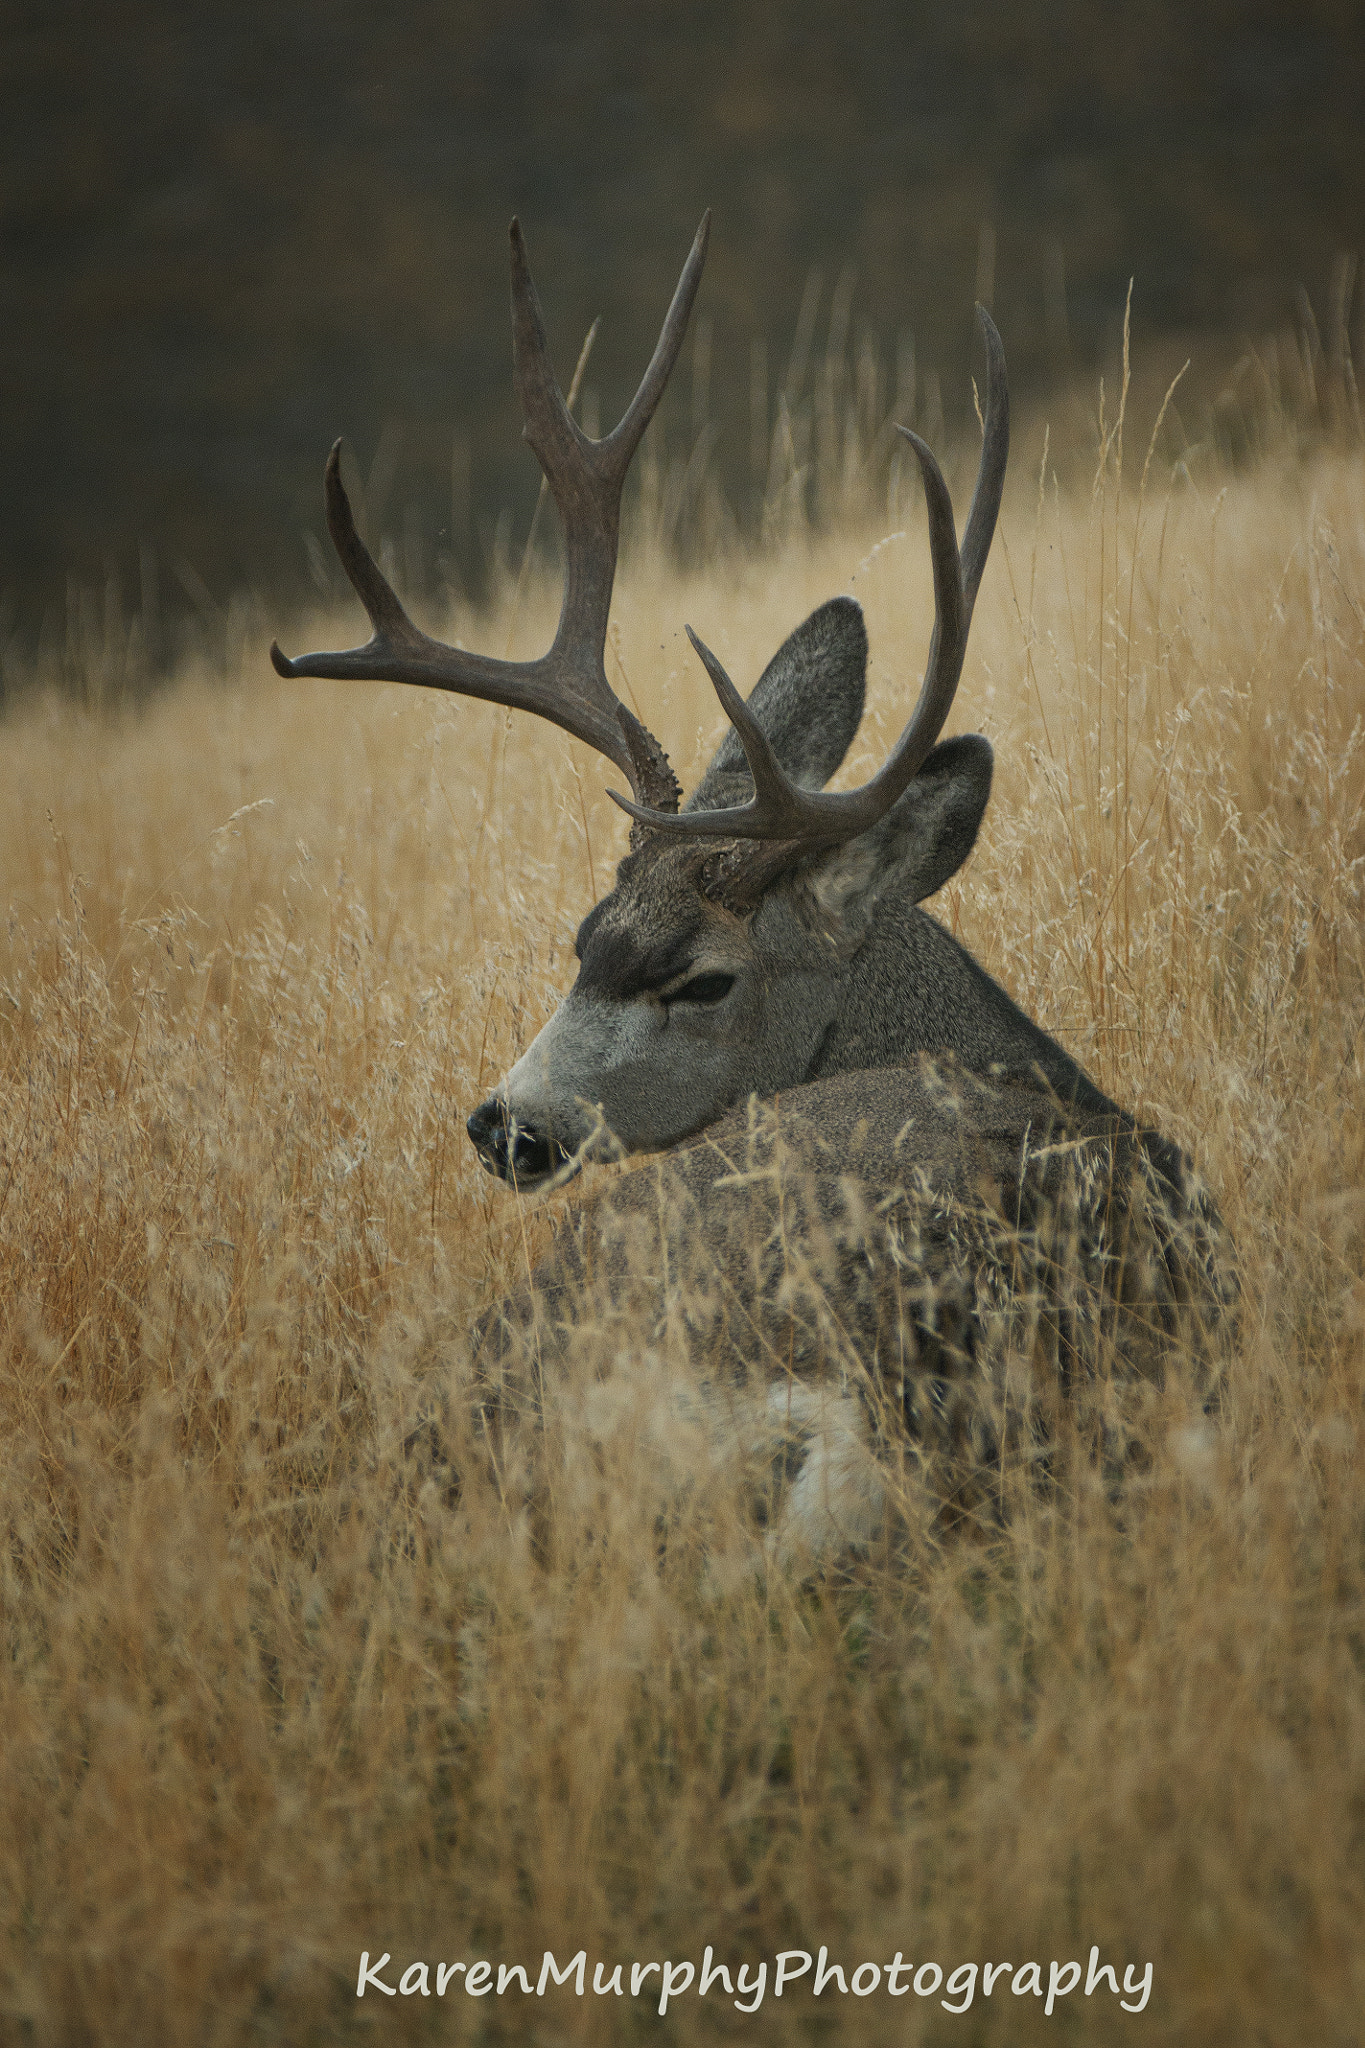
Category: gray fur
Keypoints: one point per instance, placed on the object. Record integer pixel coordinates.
(925, 837)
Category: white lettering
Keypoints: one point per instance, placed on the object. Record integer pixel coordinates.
(824, 1970)
(709, 1973)
(1146, 1988)
(893, 1970)
(756, 1987)
(369, 1974)
(575, 1966)
(962, 1984)
(750, 1985)
(783, 1975)
(1096, 1971)
(674, 1982)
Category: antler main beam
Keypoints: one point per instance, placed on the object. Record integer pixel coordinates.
(568, 684)
(801, 818)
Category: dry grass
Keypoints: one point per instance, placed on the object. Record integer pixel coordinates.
(267, 1701)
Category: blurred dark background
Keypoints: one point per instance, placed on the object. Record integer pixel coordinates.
(234, 230)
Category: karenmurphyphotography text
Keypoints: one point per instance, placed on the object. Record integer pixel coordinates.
(747, 1984)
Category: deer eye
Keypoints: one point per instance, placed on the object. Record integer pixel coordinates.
(704, 988)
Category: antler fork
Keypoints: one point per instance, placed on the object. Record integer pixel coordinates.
(807, 818)
(567, 684)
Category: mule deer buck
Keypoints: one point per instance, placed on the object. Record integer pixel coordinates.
(762, 973)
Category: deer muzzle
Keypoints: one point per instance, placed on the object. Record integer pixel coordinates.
(515, 1151)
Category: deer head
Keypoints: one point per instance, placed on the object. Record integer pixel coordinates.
(721, 962)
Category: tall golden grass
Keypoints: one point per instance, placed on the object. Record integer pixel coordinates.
(272, 1695)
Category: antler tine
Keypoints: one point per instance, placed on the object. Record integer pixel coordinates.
(586, 478)
(626, 436)
(551, 429)
(568, 684)
(803, 818)
(990, 476)
(781, 810)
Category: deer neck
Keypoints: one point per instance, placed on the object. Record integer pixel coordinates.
(913, 988)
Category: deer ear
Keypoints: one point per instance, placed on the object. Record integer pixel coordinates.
(808, 700)
(923, 839)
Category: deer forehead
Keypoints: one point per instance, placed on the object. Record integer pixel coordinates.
(654, 926)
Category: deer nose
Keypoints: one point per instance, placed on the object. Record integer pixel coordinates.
(513, 1150)
(487, 1128)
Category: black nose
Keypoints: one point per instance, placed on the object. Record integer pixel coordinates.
(515, 1151)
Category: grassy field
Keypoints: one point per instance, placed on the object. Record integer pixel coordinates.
(271, 1698)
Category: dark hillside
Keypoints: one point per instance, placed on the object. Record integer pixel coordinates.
(233, 231)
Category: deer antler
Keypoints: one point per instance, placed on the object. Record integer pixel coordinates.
(568, 684)
(806, 818)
